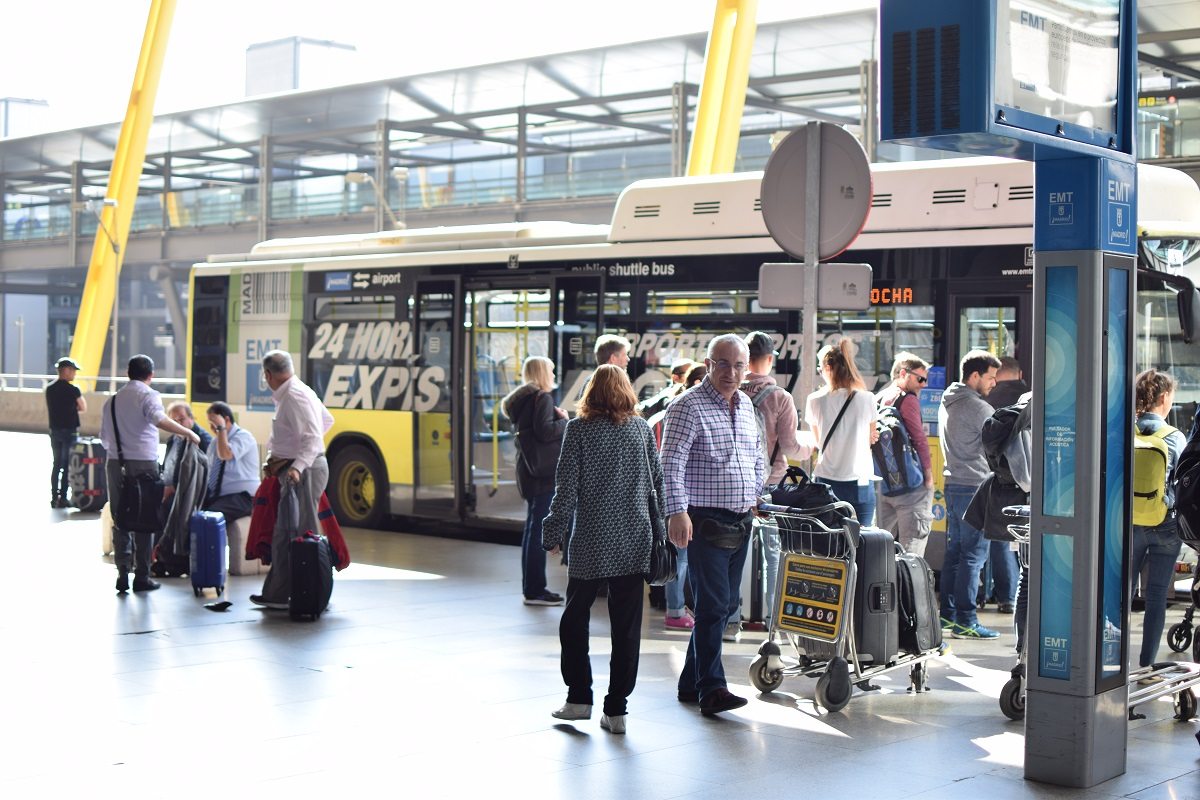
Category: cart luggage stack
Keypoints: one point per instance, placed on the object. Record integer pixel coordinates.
(836, 606)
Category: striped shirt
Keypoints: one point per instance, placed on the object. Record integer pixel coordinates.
(712, 455)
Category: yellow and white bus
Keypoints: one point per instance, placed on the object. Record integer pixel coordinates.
(412, 337)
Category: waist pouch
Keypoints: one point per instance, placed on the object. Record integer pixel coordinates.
(721, 528)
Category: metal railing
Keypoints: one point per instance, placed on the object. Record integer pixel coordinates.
(30, 382)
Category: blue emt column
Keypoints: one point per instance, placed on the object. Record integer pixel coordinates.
(1027, 79)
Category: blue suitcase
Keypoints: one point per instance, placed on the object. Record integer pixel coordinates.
(206, 531)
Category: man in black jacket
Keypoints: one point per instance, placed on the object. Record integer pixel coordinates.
(64, 404)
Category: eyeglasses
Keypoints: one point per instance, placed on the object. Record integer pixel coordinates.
(725, 366)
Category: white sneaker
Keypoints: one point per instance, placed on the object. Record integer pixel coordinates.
(613, 724)
(733, 632)
(573, 711)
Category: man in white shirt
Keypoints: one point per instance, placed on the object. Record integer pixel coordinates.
(297, 447)
(139, 416)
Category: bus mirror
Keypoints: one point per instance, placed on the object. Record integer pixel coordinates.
(1189, 313)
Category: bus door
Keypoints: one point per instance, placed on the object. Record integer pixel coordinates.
(437, 322)
(999, 323)
(505, 322)
(579, 306)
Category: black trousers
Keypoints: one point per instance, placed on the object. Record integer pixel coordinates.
(625, 597)
(61, 442)
(233, 506)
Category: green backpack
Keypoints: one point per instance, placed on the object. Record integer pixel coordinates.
(1150, 459)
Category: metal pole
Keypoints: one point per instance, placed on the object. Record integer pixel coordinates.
(20, 323)
(812, 228)
(115, 326)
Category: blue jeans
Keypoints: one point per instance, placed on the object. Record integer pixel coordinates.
(533, 557)
(716, 574)
(861, 497)
(1158, 548)
(770, 550)
(674, 589)
(1005, 572)
(966, 550)
(61, 442)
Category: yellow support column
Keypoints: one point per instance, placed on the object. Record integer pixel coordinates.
(104, 268)
(723, 90)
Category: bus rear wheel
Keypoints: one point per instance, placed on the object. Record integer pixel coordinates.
(357, 488)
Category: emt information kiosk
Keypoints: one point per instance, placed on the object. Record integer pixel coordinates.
(1053, 83)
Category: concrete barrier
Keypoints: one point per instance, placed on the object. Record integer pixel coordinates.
(25, 410)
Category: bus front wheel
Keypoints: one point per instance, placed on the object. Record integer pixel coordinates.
(357, 488)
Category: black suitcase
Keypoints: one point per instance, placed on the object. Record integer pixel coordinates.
(920, 625)
(876, 621)
(89, 487)
(312, 576)
(754, 600)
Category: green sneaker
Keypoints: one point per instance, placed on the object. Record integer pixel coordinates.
(976, 631)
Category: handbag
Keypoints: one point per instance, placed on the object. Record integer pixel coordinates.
(140, 509)
(664, 558)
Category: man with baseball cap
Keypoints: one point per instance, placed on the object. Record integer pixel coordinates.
(64, 404)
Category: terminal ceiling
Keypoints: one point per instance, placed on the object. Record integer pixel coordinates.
(612, 97)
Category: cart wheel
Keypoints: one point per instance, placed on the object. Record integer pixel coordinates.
(917, 678)
(1012, 699)
(1179, 637)
(829, 696)
(763, 679)
(1196, 648)
(1185, 705)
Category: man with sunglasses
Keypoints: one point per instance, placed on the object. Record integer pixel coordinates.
(908, 516)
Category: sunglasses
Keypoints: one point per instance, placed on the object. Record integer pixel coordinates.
(921, 379)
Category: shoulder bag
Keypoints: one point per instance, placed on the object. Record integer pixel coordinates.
(664, 558)
(140, 509)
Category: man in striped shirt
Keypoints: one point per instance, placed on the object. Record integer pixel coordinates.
(713, 468)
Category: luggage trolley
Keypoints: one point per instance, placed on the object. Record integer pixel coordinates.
(1161, 679)
(1181, 635)
(814, 611)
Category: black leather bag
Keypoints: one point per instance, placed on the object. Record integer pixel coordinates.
(664, 558)
(813, 499)
(141, 506)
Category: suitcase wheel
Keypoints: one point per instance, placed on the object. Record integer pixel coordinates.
(196, 590)
(220, 590)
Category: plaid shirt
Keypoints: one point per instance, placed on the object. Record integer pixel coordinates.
(711, 457)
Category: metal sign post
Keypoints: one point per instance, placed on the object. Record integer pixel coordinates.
(817, 224)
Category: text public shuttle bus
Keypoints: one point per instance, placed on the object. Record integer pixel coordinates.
(412, 337)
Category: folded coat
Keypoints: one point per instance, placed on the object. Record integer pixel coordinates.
(262, 526)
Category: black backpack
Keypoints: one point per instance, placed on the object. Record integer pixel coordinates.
(998, 429)
(1187, 494)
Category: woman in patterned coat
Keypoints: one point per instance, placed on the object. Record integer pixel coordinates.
(607, 467)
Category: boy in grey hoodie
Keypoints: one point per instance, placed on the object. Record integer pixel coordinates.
(960, 428)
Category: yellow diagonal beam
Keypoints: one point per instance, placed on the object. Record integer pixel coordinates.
(723, 88)
(95, 309)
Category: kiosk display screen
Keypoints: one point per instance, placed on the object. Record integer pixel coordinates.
(1059, 59)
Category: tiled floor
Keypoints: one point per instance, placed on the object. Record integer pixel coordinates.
(429, 678)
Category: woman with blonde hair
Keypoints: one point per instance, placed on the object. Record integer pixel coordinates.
(540, 425)
(608, 466)
(1156, 546)
(842, 417)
